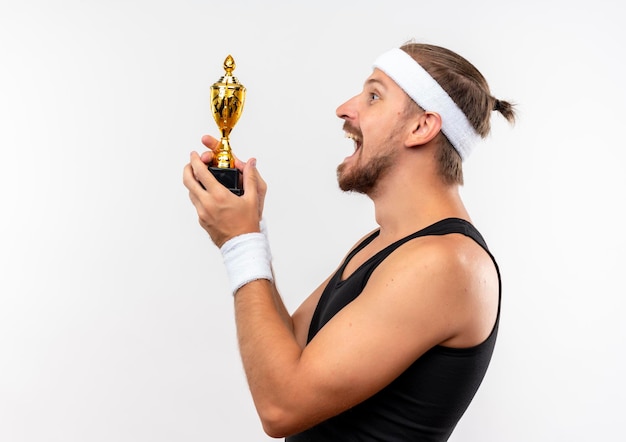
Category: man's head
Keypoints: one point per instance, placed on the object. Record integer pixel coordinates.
(377, 121)
(441, 84)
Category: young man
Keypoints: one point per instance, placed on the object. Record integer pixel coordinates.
(394, 345)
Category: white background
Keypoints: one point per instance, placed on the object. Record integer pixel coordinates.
(115, 322)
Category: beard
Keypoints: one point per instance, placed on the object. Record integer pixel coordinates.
(363, 178)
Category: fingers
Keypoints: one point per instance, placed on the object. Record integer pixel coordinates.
(210, 142)
(207, 157)
(189, 179)
(250, 178)
(197, 171)
(239, 164)
(254, 185)
(213, 144)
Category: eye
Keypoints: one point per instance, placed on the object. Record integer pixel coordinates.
(373, 96)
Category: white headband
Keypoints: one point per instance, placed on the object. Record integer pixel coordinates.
(430, 96)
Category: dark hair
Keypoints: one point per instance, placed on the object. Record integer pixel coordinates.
(468, 89)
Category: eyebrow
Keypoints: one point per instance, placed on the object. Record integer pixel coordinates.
(374, 81)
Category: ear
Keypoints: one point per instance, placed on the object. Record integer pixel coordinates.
(426, 127)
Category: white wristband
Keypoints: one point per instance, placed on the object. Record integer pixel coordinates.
(247, 258)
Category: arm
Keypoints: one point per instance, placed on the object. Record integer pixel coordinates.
(201, 198)
(279, 305)
(366, 345)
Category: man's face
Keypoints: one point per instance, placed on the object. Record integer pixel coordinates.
(375, 121)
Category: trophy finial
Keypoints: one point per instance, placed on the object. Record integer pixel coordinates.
(229, 65)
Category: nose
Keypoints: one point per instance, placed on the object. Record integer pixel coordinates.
(346, 110)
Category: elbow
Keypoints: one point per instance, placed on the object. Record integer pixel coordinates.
(273, 431)
(278, 422)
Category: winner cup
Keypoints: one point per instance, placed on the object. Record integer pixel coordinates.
(227, 98)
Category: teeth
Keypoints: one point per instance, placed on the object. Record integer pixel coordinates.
(352, 137)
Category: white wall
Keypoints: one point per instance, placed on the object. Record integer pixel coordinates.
(114, 318)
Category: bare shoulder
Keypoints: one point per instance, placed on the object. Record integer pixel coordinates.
(453, 252)
(451, 277)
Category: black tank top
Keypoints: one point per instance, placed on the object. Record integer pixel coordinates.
(426, 401)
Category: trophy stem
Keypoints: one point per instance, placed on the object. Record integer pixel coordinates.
(224, 157)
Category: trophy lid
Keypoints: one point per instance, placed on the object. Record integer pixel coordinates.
(229, 67)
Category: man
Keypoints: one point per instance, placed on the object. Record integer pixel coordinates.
(394, 344)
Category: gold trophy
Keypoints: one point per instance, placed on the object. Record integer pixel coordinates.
(227, 98)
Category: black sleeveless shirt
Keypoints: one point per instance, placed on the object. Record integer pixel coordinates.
(426, 401)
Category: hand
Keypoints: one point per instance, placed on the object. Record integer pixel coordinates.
(207, 158)
(221, 213)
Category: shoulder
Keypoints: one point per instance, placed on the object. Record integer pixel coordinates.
(431, 256)
(451, 278)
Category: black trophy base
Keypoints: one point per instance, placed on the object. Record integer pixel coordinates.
(230, 178)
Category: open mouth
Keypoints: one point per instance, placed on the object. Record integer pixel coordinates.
(356, 139)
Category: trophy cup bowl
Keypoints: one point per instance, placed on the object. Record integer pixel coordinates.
(227, 99)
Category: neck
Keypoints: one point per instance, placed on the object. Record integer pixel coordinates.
(407, 201)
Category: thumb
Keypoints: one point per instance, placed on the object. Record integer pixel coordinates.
(250, 178)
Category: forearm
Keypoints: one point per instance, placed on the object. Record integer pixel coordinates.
(269, 351)
(278, 302)
(247, 259)
(280, 307)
